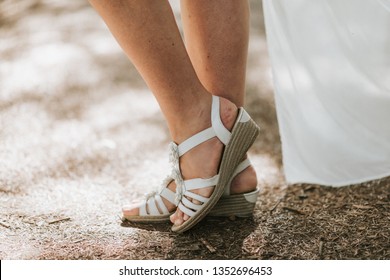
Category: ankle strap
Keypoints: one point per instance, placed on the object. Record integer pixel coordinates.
(221, 131)
(195, 140)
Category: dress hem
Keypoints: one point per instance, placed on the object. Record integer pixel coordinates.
(341, 183)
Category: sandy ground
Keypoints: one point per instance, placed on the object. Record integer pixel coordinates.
(81, 135)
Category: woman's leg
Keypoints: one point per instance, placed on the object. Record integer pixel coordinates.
(147, 32)
(216, 35)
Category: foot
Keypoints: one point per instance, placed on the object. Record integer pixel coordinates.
(203, 162)
(244, 182)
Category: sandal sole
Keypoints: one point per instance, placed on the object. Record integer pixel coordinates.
(238, 205)
(147, 219)
(243, 136)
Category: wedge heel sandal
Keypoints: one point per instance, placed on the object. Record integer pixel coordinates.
(237, 143)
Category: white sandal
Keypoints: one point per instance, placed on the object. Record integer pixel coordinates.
(153, 210)
(236, 143)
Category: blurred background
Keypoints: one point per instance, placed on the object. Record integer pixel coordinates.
(81, 135)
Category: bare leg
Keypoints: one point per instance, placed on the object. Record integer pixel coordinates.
(148, 34)
(216, 34)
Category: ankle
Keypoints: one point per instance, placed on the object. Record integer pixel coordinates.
(198, 117)
(228, 113)
(192, 120)
(244, 182)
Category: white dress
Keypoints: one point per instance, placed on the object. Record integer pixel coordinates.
(331, 68)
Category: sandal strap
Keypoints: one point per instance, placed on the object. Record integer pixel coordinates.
(189, 204)
(168, 194)
(195, 140)
(154, 205)
(142, 209)
(242, 166)
(196, 196)
(150, 202)
(186, 205)
(199, 183)
(190, 208)
(153, 210)
(221, 131)
(186, 210)
(161, 204)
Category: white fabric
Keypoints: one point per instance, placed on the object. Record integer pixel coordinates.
(331, 70)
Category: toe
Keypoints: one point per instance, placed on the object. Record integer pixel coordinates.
(177, 218)
(173, 217)
(178, 222)
(130, 210)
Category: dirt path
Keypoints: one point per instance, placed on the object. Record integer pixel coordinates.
(80, 135)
